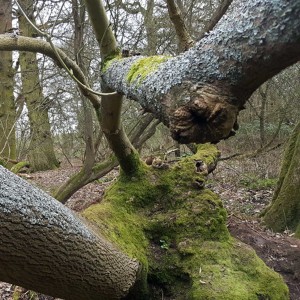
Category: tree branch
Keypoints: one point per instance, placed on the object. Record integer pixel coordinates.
(199, 93)
(28, 217)
(111, 105)
(185, 41)
(218, 14)
(21, 43)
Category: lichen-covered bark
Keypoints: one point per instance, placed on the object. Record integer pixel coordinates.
(284, 212)
(45, 247)
(199, 93)
(7, 106)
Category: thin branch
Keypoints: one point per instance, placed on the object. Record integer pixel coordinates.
(184, 38)
(69, 71)
(218, 14)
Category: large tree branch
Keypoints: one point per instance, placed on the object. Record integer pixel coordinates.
(215, 18)
(111, 105)
(199, 93)
(36, 230)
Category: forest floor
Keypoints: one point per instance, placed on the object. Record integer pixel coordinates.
(280, 252)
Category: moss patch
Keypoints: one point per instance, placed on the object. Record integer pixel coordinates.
(142, 67)
(178, 231)
(284, 211)
(111, 58)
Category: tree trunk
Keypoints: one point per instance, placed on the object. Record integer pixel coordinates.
(7, 106)
(284, 212)
(41, 154)
(45, 247)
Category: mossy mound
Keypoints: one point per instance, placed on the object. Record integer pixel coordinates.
(177, 229)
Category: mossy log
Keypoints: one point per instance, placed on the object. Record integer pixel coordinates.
(177, 230)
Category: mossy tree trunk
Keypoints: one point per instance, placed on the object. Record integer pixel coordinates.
(7, 105)
(41, 155)
(284, 212)
(165, 217)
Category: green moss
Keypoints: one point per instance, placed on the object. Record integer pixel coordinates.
(255, 183)
(134, 164)
(232, 271)
(178, 231)
(284, 211)
(142, 67)
(109, 59)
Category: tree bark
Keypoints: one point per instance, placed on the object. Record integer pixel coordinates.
(185, 41)
(7, 106)
(41, 154)
(284, 212)
(45, 247)
(199, 93)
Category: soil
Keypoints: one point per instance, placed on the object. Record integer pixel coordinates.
(280, 252)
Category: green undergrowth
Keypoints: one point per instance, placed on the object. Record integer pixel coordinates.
(255, 183)
(142, 67)
(177, 229)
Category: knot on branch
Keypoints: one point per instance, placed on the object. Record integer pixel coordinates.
(209, 116)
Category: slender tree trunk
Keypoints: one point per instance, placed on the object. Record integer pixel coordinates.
(98, 170)
(185, 41)
(41, 154)
(284, 212)
(111, 105)
(7, 106)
